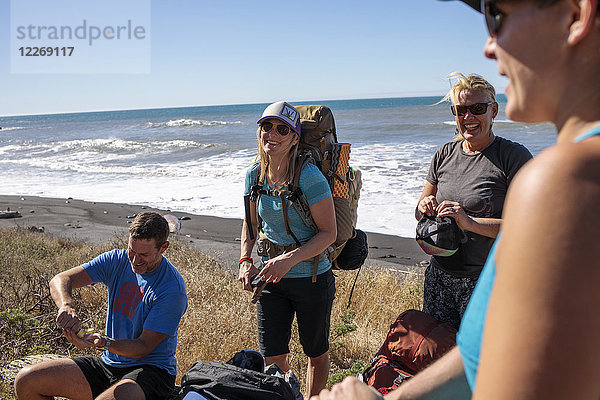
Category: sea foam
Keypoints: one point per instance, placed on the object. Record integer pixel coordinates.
(184, 122)
(195, 159)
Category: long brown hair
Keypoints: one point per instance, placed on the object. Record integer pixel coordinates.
(263, 159)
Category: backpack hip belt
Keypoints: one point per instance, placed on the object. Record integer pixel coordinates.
(266, 248)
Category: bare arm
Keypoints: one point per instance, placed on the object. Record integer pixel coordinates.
(489, 227)
(134, 348)
(61, 290)
(444, 380)
(246, 268)
(323, 214)
(547, 280)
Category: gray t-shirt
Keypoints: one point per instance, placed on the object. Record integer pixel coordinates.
(478, 182)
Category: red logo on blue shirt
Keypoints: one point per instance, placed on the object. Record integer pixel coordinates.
(128, 298)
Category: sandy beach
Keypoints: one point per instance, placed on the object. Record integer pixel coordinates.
(96, 222)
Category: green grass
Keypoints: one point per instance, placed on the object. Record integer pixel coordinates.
(338, 374)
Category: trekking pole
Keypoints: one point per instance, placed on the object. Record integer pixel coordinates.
(352, 290)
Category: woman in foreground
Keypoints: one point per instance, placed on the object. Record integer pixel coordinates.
(531, 329)
(288, 269)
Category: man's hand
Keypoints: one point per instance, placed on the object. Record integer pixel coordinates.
(88, 340)
(61, 287)
(67, 319)
(350, 389)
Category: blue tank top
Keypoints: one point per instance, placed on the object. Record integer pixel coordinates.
(470, 333)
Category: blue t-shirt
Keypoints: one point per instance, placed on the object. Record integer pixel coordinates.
(470, 333)
(315, 188)
(155, 301)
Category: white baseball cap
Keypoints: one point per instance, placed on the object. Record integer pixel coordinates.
(284, 112)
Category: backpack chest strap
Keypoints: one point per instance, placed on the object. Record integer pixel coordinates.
(284, 195)
(275, 193)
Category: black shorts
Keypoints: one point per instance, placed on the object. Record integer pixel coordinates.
(311, 302)
(156, 383)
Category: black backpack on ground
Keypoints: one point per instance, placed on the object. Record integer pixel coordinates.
(241, 378)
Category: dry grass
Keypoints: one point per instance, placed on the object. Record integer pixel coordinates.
(220, 319)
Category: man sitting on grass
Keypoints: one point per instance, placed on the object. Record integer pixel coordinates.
(146, 300)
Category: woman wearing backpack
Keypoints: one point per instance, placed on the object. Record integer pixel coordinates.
(531, 328)
(467, 181)
(288, 269)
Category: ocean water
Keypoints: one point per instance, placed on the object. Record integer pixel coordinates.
(194, 159)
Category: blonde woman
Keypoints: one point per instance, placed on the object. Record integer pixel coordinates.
(467, 181)
(288, 270)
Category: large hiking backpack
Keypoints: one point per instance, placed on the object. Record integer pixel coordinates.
(414, 341)
(319, 145)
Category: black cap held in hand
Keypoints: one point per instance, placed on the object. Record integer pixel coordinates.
(438, 236)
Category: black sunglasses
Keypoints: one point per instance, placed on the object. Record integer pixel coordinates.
(476, 109)
(493, 16)
(281, 129)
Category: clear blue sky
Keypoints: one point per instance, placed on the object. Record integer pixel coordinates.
(240, 51)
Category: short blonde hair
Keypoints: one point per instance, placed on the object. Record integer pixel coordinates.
(469, 82)
(472, 82)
